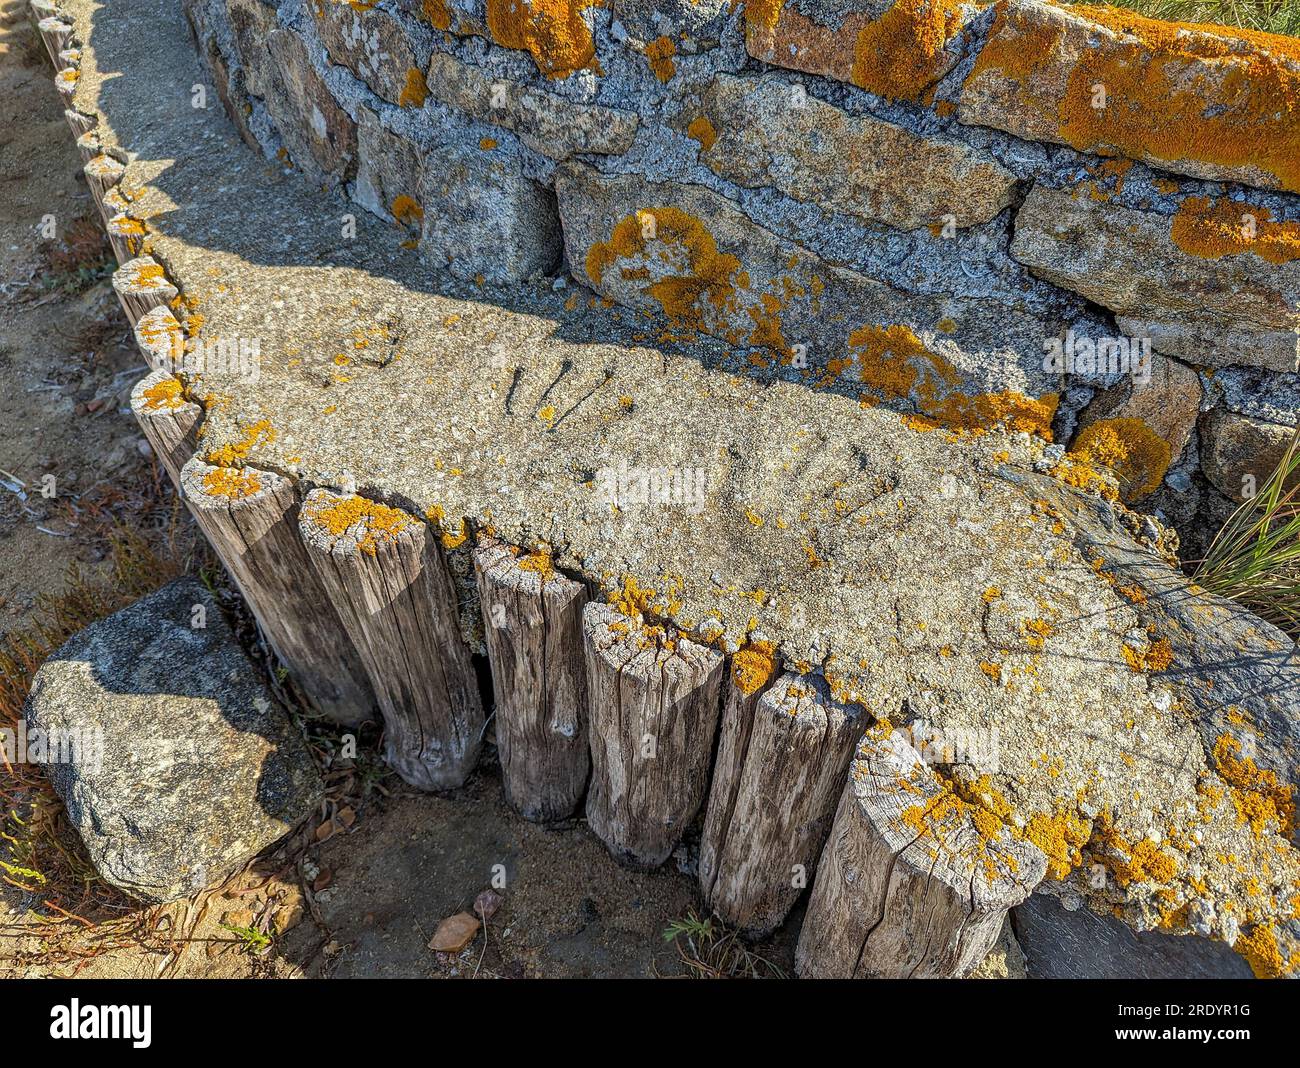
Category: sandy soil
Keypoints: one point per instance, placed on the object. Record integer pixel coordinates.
(363, 896)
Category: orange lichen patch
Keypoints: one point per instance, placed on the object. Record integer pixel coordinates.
(706, 278)
(900, 54)
(148, 276)
(487, 144)
(368, 522)
(702, 130)
(407, 210)
(1258, 797)
(124, 224)
(1078, 471)
(895, 363)
(993, 671)
(1157, 657)
(438, 14)
(1225, 97)
(1061, 836)
(1212, 229)
(165, 394)
(993, 593)
(1036, 632)
(260, 433)
(553, 32)
(235, 483)
(975, 803)
(1139, 862)
(415, 91)
(1136, 453)
(1258, 946)
(632, 599)
(752, 666)
(540, 563)
(659, 54)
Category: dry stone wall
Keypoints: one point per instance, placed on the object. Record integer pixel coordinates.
(1070, 220)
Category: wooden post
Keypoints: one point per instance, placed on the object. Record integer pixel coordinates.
(78, 123)
(89, 146)
(773, 797)
(532, 622)
(914, 882)
(43, 9)
(386, 577)
(653, 702)
(169, 421)
(161, 340)
(55, 33)
(102, 174)
(250, 517)
(125, 235)
(141, 286)
(65, 81)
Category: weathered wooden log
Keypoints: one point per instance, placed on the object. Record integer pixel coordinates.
(55, 33)
(250, 518)
(89, 146)
(125, 236)
(69, 57)
(653, 705)
(161, 340)
(141, 286)
(79, 123)
(915, 880)
(532, 622)
(43, 9)
(65, 81)
(386, 577)
(102, 174)
(775, 786)
(169, 421)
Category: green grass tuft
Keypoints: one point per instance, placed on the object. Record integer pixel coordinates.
(1255, 558)
(1270, 16)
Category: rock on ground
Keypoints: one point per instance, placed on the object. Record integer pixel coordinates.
(188, 768)
(1060, 944)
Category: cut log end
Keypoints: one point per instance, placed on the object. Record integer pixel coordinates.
(78, 123)
(392, 589)
(778, 777)
(250, 517)
(66, 83)
(161, 340)
(55, 34)
(915, 881)
(653, 699)
(532, 622)
(169, 421)
(141, 286)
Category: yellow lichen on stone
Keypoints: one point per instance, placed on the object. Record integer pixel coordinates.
(1212, 229)
(1259, 798)
(438, 13)
(260, 433)
(701, 129)
(659, 54)
(752, 666)
(896, 364)
(1137, 454)
(553, 32)
(1175, 92)
(898, 55)
(407, 210)
(415, 91)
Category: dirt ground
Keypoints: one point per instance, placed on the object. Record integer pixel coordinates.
(361, 891)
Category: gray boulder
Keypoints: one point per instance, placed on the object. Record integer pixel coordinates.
(1060, 944)
(176, 764)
